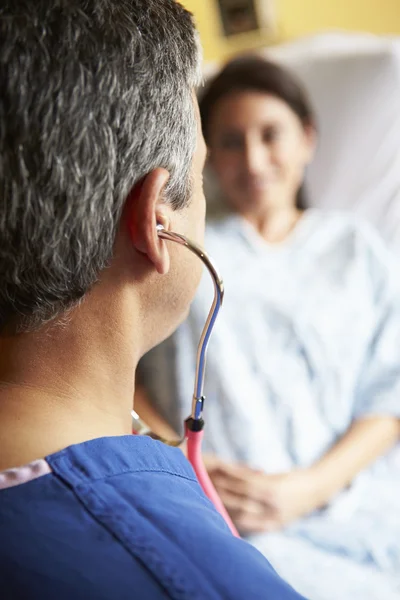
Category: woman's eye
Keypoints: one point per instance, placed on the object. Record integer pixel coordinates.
(271, 135)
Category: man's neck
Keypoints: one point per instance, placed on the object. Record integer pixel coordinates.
(63, 385)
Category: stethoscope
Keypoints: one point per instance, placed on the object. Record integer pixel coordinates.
(194, 424)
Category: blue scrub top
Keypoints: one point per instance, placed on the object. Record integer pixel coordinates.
(124, 517)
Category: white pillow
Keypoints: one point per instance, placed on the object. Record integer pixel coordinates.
(328, 43)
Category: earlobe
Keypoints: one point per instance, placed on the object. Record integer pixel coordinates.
(144, 210)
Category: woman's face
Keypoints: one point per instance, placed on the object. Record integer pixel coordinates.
(258, 150)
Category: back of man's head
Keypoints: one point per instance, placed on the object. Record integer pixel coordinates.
(94, 95)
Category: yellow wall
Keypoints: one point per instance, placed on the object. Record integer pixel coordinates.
(296, 18)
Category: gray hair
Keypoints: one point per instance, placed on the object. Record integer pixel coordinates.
(94, 95)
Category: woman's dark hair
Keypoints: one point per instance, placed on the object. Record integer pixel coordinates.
(253, 73)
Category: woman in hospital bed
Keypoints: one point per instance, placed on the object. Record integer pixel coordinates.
(303, 381)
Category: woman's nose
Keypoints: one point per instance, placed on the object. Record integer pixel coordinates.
(257, 157)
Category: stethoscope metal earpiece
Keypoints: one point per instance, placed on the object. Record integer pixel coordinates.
(194, 423)
(198, 399)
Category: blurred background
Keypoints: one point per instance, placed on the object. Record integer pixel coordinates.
(347, 55)
(230, 26)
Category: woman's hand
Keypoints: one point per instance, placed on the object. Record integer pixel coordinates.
(259, 502)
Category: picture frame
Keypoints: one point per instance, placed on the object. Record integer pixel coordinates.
(239, 16)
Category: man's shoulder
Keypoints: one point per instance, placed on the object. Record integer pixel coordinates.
(149, 526)
(51, 546)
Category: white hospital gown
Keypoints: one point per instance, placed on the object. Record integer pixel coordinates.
(308, 340)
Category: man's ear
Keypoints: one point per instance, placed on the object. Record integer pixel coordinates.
(144, 210)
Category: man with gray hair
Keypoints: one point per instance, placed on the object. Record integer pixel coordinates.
(100, 142)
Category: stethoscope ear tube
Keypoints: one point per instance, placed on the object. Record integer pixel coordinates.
(194, 424)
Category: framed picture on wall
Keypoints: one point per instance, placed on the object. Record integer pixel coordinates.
(238, 16)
